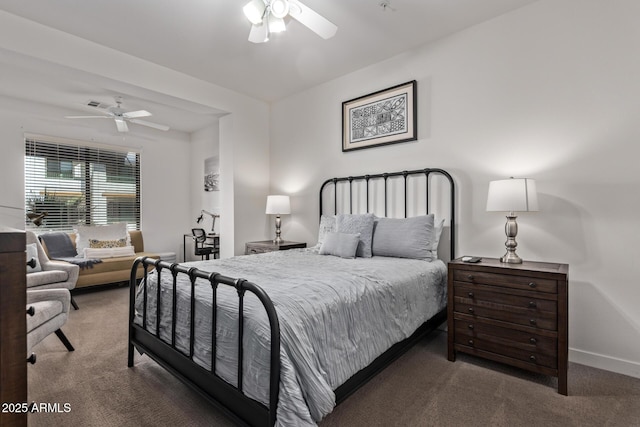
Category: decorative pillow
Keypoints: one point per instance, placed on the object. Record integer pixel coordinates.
(32, 252)
(327, 225)
(404, 237)
(358, 224)
(109, 252)
(100, 232)
(343, 245)
(437, 232)
(103, 244)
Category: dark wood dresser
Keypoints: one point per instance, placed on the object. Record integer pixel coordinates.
(269, 246)
(13, 327)
(510, 313)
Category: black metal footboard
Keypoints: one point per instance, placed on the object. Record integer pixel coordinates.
(225, 396)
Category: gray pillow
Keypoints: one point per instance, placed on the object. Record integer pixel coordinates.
(327, 224)
(404, 237)
(358, 223)
(343, 245)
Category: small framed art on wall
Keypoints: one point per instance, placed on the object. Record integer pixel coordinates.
(380, 118)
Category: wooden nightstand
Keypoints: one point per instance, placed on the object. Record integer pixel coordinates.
(269, 246)
(510, 313)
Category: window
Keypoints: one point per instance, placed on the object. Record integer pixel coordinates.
(81, 184)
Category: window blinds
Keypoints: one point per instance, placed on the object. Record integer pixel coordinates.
(81, 184)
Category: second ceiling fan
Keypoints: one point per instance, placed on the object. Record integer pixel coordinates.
(120, 115)
(267, 16)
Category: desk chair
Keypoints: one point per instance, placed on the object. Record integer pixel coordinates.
(200, 238)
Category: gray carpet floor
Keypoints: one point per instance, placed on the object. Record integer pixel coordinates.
(421, 388)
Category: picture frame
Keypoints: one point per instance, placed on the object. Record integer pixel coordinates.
(388, 116)
(212, 174)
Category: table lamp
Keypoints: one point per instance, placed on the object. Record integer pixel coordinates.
(278, 205)
(512, 195)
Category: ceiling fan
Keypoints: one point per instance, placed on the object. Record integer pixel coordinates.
(267, 16)
(120, 115)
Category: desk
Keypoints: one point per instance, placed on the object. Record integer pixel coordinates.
(213, 240)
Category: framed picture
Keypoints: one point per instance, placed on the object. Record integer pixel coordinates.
(212, 174)
(380, 118)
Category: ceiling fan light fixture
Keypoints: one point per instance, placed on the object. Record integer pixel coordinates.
(121, 124)
(279, 8)
(254, 11)
(276, 25)
(259, 33)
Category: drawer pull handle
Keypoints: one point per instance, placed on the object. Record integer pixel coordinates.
(471, 310)
(32, 263)
(533, 340)
(532, 321)
(532, 304)
(532, 284)
(470, 326)
(470, 277)
(31, 311)
(32, 359)
(470, 342)
(470, 294)
(532, 358)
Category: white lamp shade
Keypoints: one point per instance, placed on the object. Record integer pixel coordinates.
(276, 25)
(279, 8)
(512, 195)
(254, 11)
(278, 205)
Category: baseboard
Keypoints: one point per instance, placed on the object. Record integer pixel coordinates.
(608, 363)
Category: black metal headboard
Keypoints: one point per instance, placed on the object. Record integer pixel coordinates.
(370, 183)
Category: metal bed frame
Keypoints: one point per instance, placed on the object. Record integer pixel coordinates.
(230, 399)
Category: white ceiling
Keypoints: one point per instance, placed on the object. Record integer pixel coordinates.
(207, 39)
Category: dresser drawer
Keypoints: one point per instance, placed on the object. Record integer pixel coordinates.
(530, 341)
(486, 295)
(506, 280)
(538, 359)
(507, 313)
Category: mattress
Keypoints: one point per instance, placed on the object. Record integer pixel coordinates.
(336, 316)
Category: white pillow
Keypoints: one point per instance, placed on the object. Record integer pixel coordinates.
(109, 252)
(100, 232)
(437, 232)
(32, 252)
(327, 225)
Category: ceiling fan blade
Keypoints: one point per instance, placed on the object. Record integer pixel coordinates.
(150, 124)
(121, 124)
(136, 114)
(87, 117)
(259, 33)
(312, 19)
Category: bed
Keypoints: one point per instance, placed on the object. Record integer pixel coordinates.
(280, 338)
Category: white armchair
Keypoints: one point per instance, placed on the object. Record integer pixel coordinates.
(53, 274)
(47, 312)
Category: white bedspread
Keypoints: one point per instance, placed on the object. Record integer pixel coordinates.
(336, 316)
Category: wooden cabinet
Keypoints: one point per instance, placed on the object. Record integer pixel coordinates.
(13, 328)
(269, 246)
(510, 313)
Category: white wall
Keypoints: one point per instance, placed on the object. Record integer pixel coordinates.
(549, 91)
